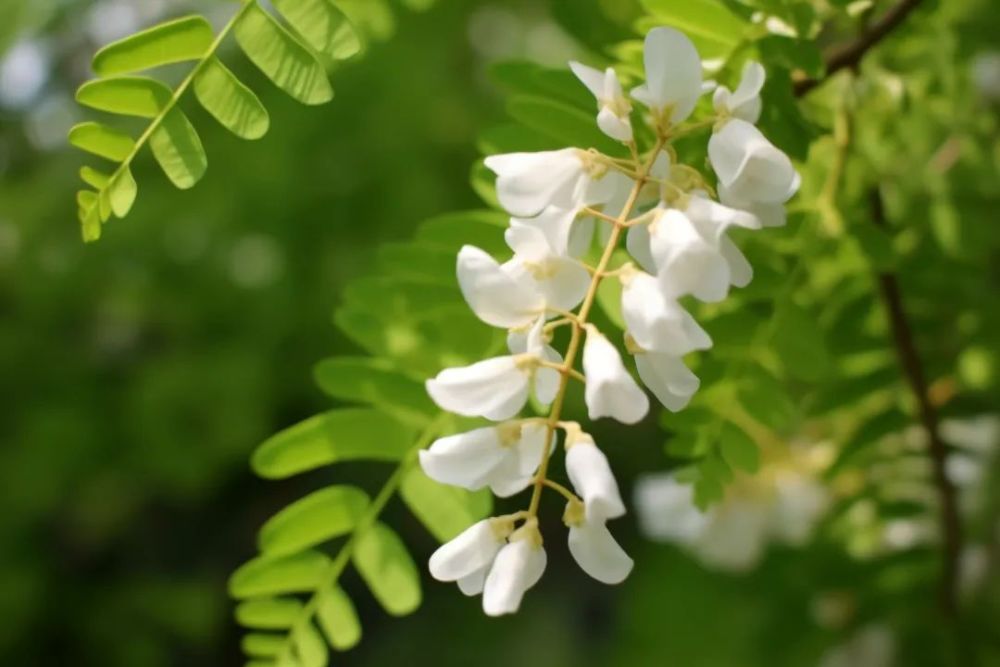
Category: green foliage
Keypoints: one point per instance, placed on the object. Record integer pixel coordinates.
(290, 58)
(409, 319)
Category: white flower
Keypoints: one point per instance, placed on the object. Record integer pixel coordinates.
(769, 215)
(562, 281)
(610, 391)
(533, 342)
(673, 75)
(613, 106)
(557, 224)
(656, 322)
(594, 548)
(749, 166)
(692, 253)
(743, 103)
(467, 558)
(504, 457)
(667, 377)
(494, 388)
(517, 567)
(589, 471)
(499, 297)
(528, 182)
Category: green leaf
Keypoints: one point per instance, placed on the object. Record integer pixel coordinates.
(90, 224)
(483, 229)
(799, 343)
(300, 573)
(260, 645)
(323, 26)
(235, 106)
(766, 399)
(566, 124)
(95, 179)
(178, 149)
(337, 618)
(101, 140)
(386, 566)
(279, 55)
(337, 435)
(309, 646)
(320, 516)
(445, 510)
(868, 434)
(268, 613)
(792, 54)
(186, 38)
(738, 449)
(714, 29)
(375, 382)
(125, 95)
(122, 190)
(876, 244)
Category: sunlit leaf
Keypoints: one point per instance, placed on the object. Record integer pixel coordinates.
(323, 26)
(320, 516)
(336, 616)
(281, 57)
(302, 572)
(177, 147)
(187, 38)
(230, 102)
(101, 140)
(268, 613)
(338, 435)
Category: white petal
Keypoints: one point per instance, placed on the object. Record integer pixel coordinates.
(557, 225)
(592, 78)
(800, 502)
(610, 391)
(506, 479)
(688, 262)
(734, 539)
(598, 554)
(473, 584)
(745, 101)
(495, 388)
(528, 182)
(472, 550)
(531, 447)
(749, 166)
(659, 323)
(589, 471)
(563, 282)
(673, 73)
(668, 378)
(495, 296)
(517, 567)
(637, 244)
(525, 454)
(740, 271)
(666, 509)
(714, 218)
(581, 237)
(769, 215)
(617, 127)
(464, 459)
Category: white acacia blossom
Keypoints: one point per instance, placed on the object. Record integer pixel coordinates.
(675, 224)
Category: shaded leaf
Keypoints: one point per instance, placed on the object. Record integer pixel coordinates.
(376, 382)
(386, 566)
(337, 618)
(738, 449)
(444, 509)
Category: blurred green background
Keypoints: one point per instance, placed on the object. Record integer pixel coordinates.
(137, 374)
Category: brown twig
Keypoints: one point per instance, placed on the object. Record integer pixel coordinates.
(909, 360)
(851, 53)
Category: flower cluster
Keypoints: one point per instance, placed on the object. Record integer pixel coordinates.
(673, 222)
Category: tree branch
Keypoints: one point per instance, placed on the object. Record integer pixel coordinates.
(851, 53)
(909, 360)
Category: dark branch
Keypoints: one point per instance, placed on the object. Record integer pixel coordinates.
(850, 54)
(909, 360)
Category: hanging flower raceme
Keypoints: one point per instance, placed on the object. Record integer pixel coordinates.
(677, 232)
